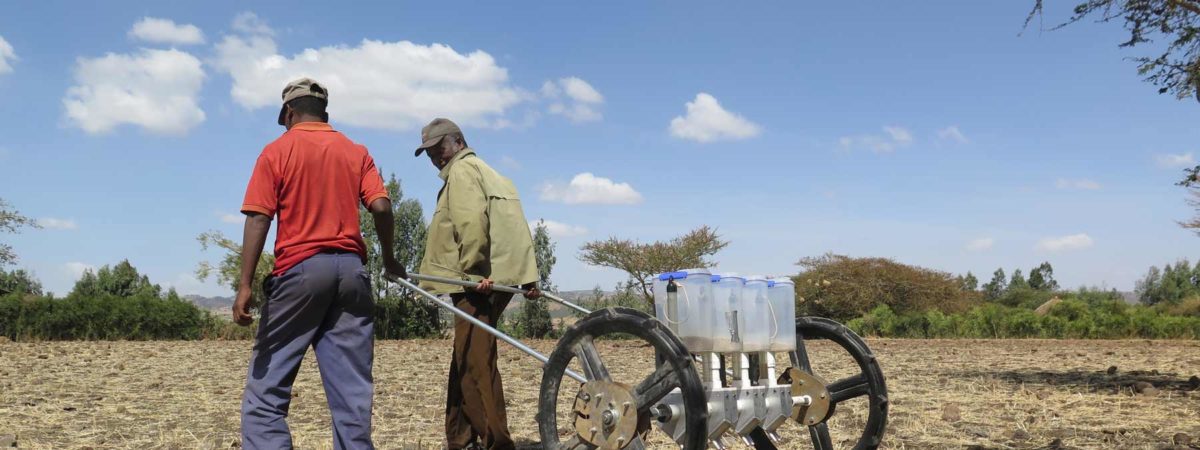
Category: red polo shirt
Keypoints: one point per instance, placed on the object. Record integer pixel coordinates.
(313, 178)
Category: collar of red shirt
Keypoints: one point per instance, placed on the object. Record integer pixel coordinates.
(312, 126)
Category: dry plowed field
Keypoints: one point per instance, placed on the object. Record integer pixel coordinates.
(944, 394)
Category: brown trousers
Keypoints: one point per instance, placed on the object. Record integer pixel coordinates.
(475, 396)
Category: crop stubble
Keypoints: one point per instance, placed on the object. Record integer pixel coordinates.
(944, 393)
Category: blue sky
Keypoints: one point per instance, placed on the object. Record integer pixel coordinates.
(930, 133)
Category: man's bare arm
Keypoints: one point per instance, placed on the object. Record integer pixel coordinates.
(385, 228)
(254, 236)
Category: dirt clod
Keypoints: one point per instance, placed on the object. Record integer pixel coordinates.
(1112, 370)
(1194, 382)
(951, 413)
(1019, 435)
(1181, 439)
(8, 441)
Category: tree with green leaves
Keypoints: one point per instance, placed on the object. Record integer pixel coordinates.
(969, 283)
(19, 282)
(1017, 281)
(399, 313)
(1041, 278)
(11, 221)
(410, 230)
(641, 261)
(1149, 288)
(229, 270)
(995, 289)
(534, 320)
(121, 280)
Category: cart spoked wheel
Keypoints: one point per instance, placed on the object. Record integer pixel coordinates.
(609, 414)
(864, 386)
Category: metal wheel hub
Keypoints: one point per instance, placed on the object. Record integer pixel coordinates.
(810, 399)
(606, 414)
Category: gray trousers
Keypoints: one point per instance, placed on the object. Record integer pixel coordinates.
(325, 301)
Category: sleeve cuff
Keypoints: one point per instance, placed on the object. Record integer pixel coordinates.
(257, 209)
(372, 198)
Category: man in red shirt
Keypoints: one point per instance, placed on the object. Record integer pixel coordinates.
(314, 179)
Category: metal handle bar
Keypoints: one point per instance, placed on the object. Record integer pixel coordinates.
(479, 323)
(498, 288)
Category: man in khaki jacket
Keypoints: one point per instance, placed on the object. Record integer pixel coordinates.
(480, 234)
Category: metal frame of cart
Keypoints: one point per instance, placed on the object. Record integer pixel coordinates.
(699, 400)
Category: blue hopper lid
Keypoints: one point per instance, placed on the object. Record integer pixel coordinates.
(681, 274)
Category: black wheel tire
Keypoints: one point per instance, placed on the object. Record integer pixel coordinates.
(872, 384)
(667, 346)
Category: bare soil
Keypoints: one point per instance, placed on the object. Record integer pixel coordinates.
(944, 394)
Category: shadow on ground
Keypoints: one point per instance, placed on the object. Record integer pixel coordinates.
(1095, 381)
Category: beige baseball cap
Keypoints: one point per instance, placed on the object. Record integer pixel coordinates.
(304, 87)
(434, 132)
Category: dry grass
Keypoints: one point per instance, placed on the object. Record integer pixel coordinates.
(1009, 394)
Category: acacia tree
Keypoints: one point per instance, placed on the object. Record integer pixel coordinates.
(1172, 29)
(1171, 26)
(11, 221)
(641, 261)
(229, 270)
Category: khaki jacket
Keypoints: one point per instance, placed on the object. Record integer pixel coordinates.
(478, 229)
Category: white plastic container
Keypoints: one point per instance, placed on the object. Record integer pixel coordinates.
(756, 323)
(782, 293)
(726, 305)
(687, 310)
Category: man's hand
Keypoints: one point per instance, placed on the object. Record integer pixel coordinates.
(242, 305)
(531, 291)
(394, 268)
(485, 286)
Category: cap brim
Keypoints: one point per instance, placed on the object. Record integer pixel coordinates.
(282, 112)
(430, 143)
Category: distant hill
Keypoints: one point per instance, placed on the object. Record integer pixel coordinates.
(210, 303)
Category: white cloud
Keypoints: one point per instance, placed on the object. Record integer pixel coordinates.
(899, 135)
(166, 31)
(247, 22)
(231, 218)
(981, 244)
(1087, 185)
(1176, 161)
(509, 162)
(385, 85)
(1073, 242)
(154, 89)
(707, 121)
(896, 137)
(57, 224)
(76, 269)
(559, 230)
(7, 55)
(952, 134)
(582, 100)
(586, 188)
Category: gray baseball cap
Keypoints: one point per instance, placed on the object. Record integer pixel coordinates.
(434, 132)
(304, 87)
